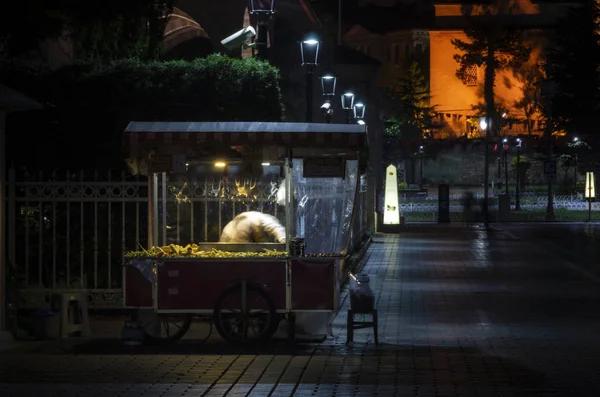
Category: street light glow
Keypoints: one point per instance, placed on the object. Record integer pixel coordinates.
(311, 41)
(361, 122)
(483, 124)
(220, 164)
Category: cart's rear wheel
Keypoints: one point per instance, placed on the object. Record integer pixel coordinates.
(163, 327)
(245, 314)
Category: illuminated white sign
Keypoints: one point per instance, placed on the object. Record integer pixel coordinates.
(391, 211)
(590, 188)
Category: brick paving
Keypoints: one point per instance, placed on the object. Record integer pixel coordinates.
(462, 313)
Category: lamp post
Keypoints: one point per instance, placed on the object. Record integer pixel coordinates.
(328, 82)
(517, 189)
(421, 152)
(590, 191)
(348, 104)
(309, 53)
(575, 140)
(263, 9)
(505, 147)
(484, 124)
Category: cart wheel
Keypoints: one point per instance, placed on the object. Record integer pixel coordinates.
(163, 327)
(244, 318)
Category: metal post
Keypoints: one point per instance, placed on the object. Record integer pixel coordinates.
(2, 222)
(262, 36)
(164, 208)
(499, 174)
(590, 205)
(288, 202)
(309, 93)
(506, 171)
(517, 191)
(421, 174)
(486, 174)
(575, 176)
(339, 22)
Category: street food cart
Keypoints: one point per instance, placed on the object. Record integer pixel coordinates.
(200, 175)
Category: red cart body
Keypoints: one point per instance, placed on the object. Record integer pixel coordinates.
(193, 285)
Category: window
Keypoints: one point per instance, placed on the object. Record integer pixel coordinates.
(471, 76)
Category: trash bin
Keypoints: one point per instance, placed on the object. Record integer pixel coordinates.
(46, 324)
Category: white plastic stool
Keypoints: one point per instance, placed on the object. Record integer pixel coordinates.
(74, 315)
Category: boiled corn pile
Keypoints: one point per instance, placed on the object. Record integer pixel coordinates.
(193, 251)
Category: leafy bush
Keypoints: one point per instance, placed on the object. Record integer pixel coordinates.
(90, 105)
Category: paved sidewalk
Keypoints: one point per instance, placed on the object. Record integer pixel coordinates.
(462, 313)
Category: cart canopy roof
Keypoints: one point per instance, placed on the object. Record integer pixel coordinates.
(142, 136)
(203, 141)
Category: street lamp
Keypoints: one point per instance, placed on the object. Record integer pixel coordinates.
(263, 9)
(483, 123)
(348, 103)
(517, 190)
(328, 82)
(309, 53)
(359, 110)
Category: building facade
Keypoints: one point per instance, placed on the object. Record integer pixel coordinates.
(459, 102)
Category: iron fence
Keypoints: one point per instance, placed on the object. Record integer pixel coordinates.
(68, 231)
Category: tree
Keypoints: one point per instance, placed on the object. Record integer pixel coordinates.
(573, 52)
(25, 23)
(529, 76)
(109, 30)
(104, 30)
(411, 116)
(495, 43)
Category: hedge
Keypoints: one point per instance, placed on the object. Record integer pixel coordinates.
(88, 106)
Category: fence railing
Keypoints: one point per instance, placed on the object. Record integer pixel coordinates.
(68, 232)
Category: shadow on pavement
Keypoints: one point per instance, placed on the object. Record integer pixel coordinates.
(105, 361)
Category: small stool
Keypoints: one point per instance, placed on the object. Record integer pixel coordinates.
(352, 325)
(74, 315)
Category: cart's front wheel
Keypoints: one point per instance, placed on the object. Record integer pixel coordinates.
(163, 327)
(244, 313)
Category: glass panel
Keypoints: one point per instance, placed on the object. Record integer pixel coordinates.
(202, 201)
(323, 208)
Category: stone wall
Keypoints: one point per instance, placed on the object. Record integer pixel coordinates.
(464, 166)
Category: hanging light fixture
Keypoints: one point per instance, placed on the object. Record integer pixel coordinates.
(348, 100)
(359, 110)
(309, 51)
(328, 81)
(261, 7)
